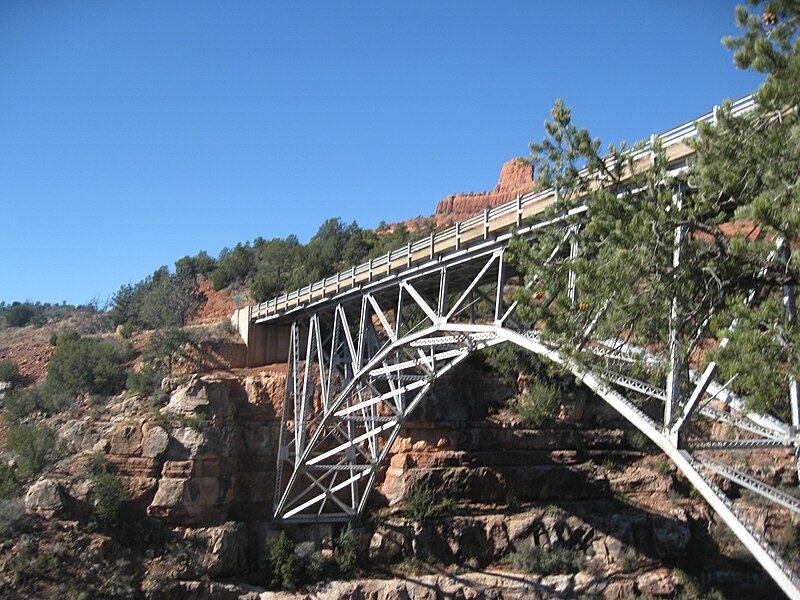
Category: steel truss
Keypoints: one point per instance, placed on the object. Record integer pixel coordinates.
(360, 366)
(362, 358)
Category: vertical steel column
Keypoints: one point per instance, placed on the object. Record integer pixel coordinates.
(290, 393)
(791, 308)
(442, 308)
(572, 288)
(501, 282)
(675, 376)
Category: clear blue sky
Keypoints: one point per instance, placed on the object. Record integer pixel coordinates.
(135, 132)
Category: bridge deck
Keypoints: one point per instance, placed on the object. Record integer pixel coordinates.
(466, 234)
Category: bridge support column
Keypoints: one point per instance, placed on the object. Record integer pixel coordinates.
(266, 344)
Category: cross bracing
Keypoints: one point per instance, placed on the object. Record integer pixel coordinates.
(366, 346)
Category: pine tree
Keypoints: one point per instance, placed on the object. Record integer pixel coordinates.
(670, 263)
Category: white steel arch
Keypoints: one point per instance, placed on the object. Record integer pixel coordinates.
(367, 344)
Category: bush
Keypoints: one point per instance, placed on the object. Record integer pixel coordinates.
(547, 561)
(509, 360)
(142, 383)
(166, 348)
(107, 492)
(309, 563)
(421, 504)
(280, 553)
(9, 371)
(23, 403)
(13, 519)
(9, 485)
(19, 315)
(346, 550)
(108, 495)
(540, 405)
(85, 365)
(34, 448)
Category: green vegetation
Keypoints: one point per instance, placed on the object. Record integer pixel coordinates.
(547, 560)
(166, 348)
(160, 300)
(143, 382)
(9, 371)
(19, 315)
(9, 484)
(422, 505)
(34, 448)
(280, 554)
(13, 518)
(107, 492)
(540, 405)
(267, 267)
(745, 169)
(22, 403)
(509, 360)
(346, 550)
(85, 365)
(309, 563)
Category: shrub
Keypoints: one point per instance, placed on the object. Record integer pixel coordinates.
(9, 485)
(108, 495)
(547, 561)
(13, 518)
(85, 365)
(509, 360)
(166, 348)
(107, 492)
(280, 553)
(540, 405)
(663, 466)
(640, 441)
(422, 505)
(309, 563)
(34, 447)
(9, 371)
(23, 403)
(19, 315)
(142, 383)
(346, 550)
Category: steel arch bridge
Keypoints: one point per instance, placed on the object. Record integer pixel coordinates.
(366, 346)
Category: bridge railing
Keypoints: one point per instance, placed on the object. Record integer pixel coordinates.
(502, 217)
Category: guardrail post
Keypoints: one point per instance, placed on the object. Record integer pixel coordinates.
(458, 235)
(519, 210)
(486, 223)
(369, 271)
(388, 262)
(408, 255)
(432, 242)
(652, 145)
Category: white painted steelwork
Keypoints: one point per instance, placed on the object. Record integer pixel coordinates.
(368, 344)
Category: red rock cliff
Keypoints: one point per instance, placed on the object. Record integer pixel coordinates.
(516, 177)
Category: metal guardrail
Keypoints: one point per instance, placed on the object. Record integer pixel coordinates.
(523, 206)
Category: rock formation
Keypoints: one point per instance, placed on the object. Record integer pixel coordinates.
(198, 464)
(516, 177)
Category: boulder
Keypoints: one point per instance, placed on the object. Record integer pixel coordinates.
(154, 441)
(45, 496)
(217, 551)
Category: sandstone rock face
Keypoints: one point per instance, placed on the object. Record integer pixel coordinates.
(218, 551)
(221, 463)
(45, 496)
(516, 177)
